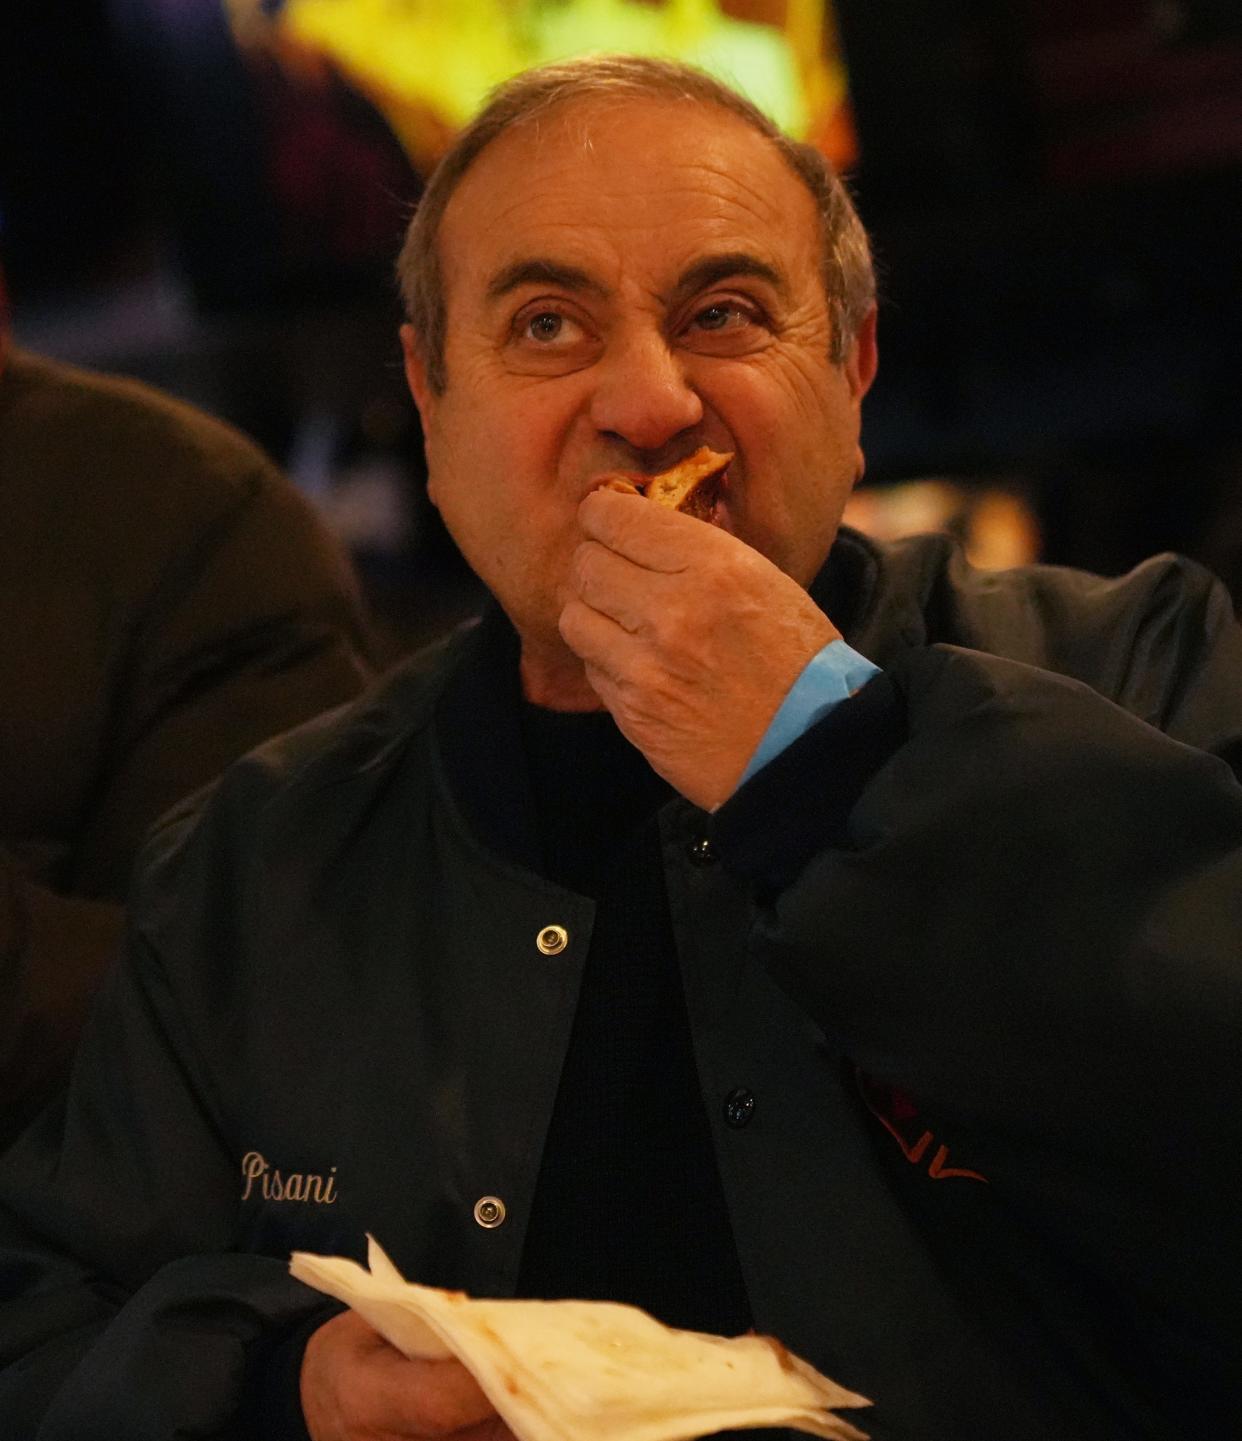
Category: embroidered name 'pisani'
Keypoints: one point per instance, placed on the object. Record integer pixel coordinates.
(265, 1180)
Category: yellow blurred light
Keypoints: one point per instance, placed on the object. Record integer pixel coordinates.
(428, 65)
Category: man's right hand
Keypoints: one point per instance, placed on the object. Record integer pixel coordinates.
(355, 1385)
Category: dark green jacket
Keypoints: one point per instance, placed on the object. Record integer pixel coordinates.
(971, 946)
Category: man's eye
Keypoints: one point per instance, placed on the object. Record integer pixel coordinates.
(720, 317)
(546, 326)
(546, 337)
(730, 326)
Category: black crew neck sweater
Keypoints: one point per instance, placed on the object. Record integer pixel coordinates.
(629, 1205)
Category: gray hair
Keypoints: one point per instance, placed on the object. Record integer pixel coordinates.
(848, 273)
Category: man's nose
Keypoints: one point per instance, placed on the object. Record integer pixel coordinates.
(643, 394)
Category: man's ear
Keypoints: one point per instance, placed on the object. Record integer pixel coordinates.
(863, 357)
(416, 373)
(424, 397)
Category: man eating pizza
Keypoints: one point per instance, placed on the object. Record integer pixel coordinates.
(745, 921)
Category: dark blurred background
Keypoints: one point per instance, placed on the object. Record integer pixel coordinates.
(1053, 187)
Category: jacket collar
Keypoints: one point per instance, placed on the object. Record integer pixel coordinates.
(479, 735)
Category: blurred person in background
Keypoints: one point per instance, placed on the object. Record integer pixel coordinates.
(169, 601)
(748, 921)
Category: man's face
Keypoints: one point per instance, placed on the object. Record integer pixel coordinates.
(625, 282)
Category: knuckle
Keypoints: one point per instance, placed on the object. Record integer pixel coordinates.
(673, 621)
(645, 685)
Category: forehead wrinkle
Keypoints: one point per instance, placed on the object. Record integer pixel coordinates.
(563, 182)
(549, 170)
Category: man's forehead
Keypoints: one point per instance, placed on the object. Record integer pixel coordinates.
(625, 167)
(590, 126)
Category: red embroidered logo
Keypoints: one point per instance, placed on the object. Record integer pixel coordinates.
(899, 1115)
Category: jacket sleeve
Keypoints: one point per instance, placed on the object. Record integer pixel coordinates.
(1184, 657)
(255, 628)
(125, 1309)
(1023, 906)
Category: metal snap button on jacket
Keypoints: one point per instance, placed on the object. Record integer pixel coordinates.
(739, 1106)
(552, 940)
(702, 852)
(489, 1212)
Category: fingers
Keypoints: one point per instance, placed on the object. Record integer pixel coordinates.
(597, 639)
(426, 1398)
(616, 587)
(355, 1385)
(648, 534)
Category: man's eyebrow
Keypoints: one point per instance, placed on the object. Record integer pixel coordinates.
(542, 272)
(714, 268)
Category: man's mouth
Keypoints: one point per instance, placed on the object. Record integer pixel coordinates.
(696, 485)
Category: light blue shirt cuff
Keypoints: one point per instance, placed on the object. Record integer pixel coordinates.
(827, 679)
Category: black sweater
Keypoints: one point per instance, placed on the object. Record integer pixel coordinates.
(629, 1205)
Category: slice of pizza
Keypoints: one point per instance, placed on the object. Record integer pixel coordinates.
(589, 1370)
(691, 486)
